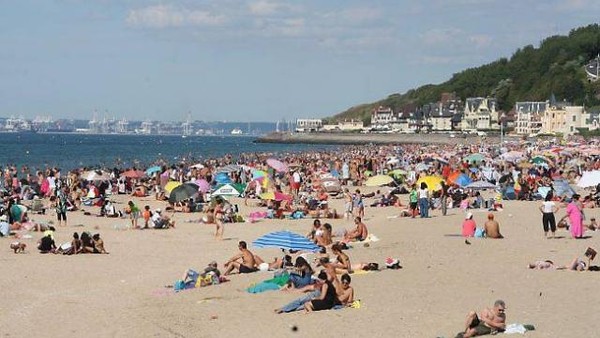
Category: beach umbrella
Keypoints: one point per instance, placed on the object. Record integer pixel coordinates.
(183, 192)
(589, 179)
(153, 170)
(441, 160)
(331, 185)
(433, 182)
(277, 196)
(230, 168)
(539, 160)
(393, 161)
(277, 165)
(229, 189)
(286, 240)
(462, 180)
(95, 175)
(133, 173)
(203, 185)
(222, 178)
(197, 166)
(562, 188)
(480, 185)
(512, 156)
(171, 185)
(259, 173)
(378, 180)
(475, 158)
(421, 167)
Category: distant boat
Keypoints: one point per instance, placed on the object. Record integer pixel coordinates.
(183, 136)
(237, 131)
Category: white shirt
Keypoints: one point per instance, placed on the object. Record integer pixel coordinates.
(547, 206)
(296, 177)
(423, 193)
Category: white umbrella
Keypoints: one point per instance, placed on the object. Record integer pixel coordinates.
(480, 185)
(589, 179)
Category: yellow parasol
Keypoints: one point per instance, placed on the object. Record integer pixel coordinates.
(433, 182)
(171, 185)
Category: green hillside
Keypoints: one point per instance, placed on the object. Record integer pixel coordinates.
(531, 74)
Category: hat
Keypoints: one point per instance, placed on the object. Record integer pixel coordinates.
(469, 215)
(158, 211)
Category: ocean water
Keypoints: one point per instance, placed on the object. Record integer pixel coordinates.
(69, 151)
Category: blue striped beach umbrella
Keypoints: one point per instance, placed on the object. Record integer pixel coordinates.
(286, 240)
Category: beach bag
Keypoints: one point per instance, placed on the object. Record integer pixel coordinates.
(479, 233)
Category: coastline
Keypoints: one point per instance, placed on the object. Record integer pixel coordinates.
(361, 139)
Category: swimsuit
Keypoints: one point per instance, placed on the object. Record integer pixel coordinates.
(245, 269)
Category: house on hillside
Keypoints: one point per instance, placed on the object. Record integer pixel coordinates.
(529, 117)
(480, 114)
(564, 118)
(383, 118)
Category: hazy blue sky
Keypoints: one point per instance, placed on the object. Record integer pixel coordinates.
(254, 60)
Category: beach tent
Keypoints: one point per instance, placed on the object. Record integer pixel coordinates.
(229, 189)
(589, 179)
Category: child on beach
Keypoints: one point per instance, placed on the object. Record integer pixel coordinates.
(146, 214)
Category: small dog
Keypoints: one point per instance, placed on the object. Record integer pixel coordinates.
(18, 247)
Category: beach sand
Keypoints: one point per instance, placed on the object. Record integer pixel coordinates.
(122, 294)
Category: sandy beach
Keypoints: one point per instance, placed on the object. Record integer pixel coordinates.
(122, 294)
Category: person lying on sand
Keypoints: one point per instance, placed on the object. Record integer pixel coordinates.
(489, 321)
(248, 262)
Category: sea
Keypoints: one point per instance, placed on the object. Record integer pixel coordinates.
(70, 151)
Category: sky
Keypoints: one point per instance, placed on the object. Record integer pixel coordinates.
(251, 60)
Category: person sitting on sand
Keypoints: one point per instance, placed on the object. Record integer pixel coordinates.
(301, 277)
(161, 221)
(248, 262)
(492, 228)
(342, 264)
(490, 321)
(325, 238)
(345, 293)
(593, 225)
(359, 233)
(98, 244)
(46, 244)
(327, 298)
(468, 226)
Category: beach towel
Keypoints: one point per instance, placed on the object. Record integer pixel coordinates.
(518, 328)
(270, 284)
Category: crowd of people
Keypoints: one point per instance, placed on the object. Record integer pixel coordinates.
(434, 179)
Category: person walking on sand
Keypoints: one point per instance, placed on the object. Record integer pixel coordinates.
(219, 217)
(576, 217)
(548, 209)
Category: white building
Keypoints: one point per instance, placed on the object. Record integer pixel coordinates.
(352, 125)
(382, 117)
(308, 125)
(529, 117)
(480, 114)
